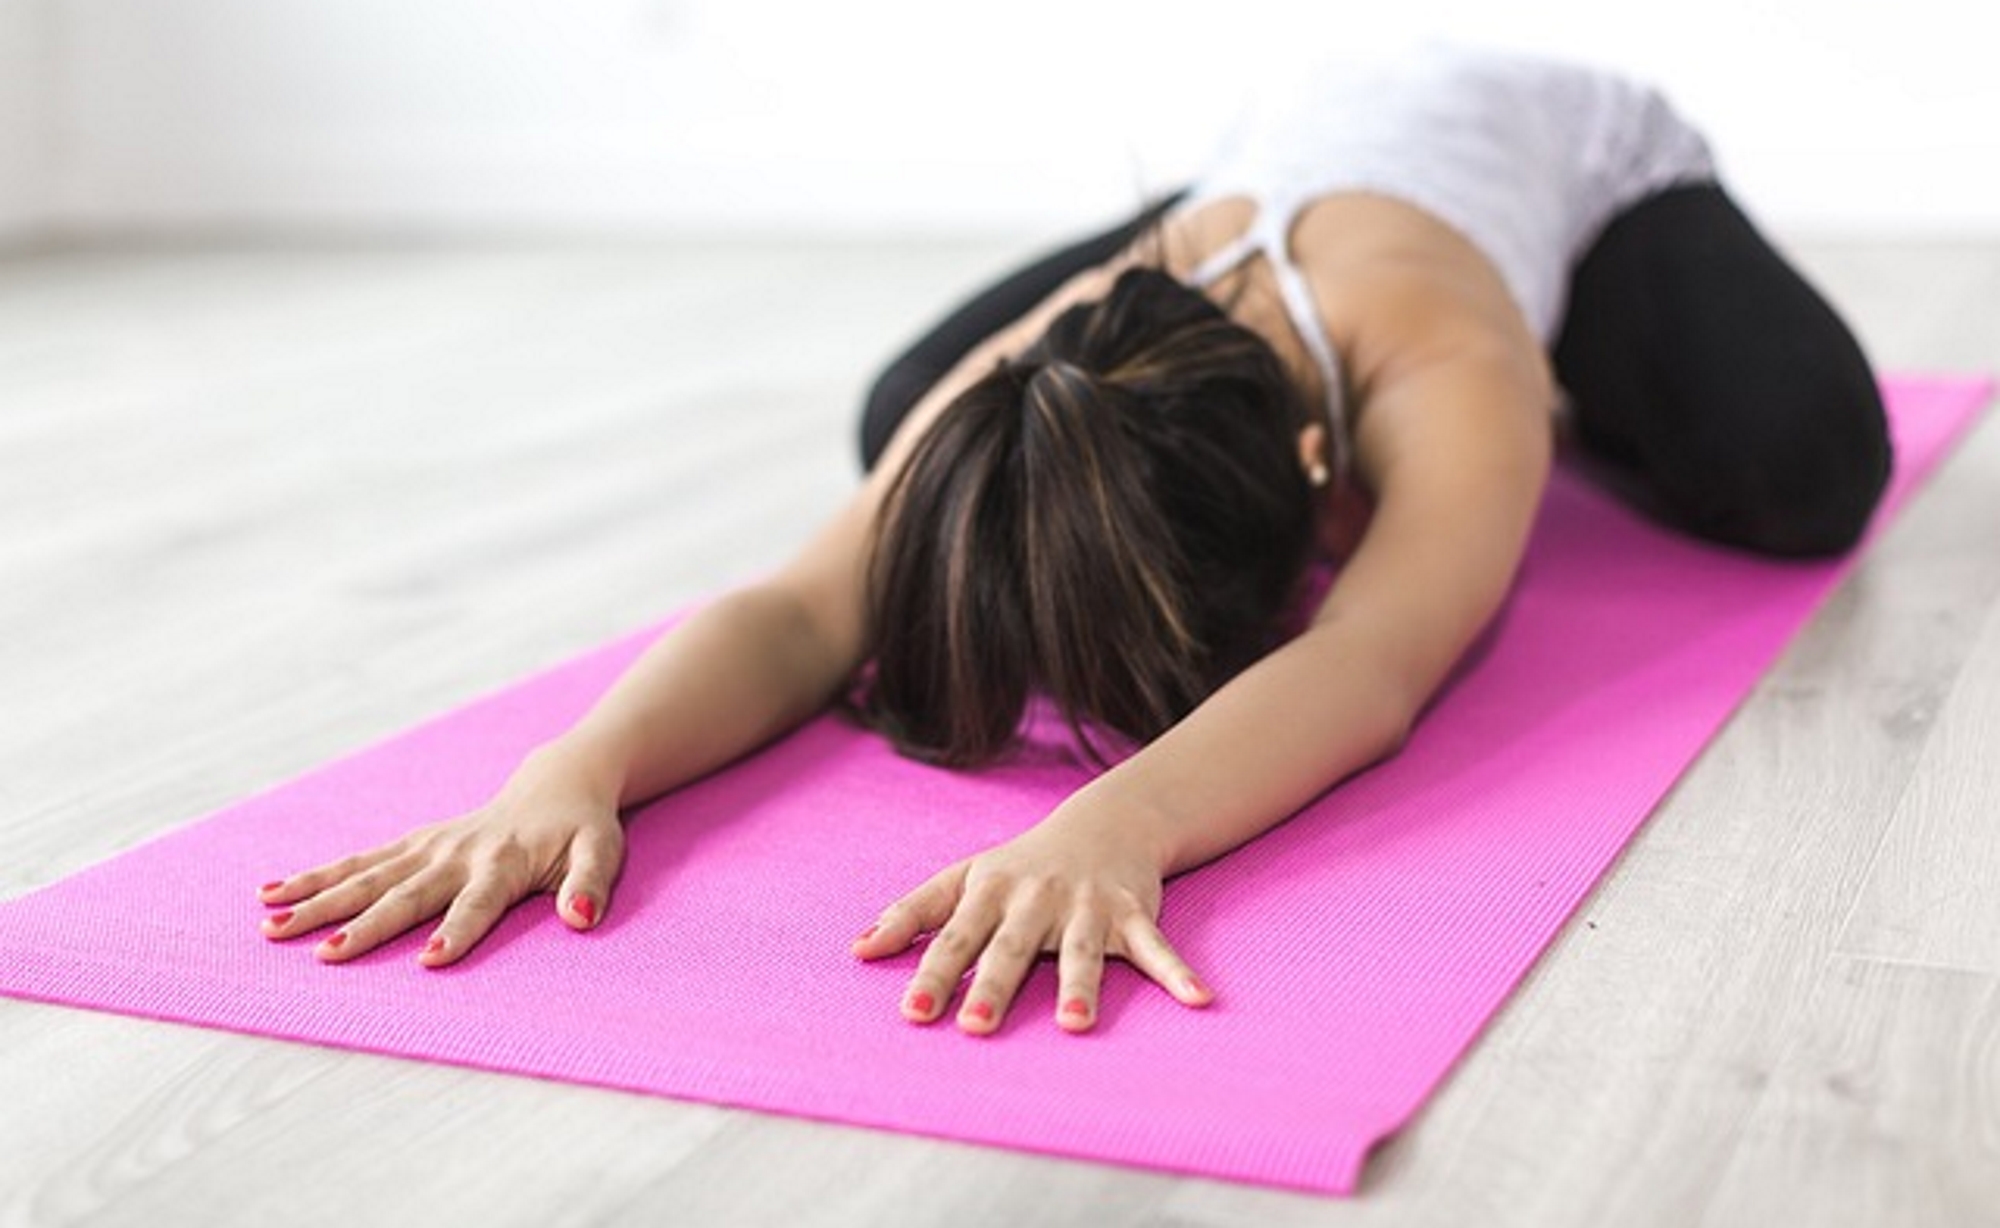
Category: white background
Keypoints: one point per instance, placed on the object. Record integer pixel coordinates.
(887, 116)
(24, 169)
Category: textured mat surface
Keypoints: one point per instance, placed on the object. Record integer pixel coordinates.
(1355, 951)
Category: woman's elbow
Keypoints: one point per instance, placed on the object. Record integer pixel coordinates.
(1388, 729)
(1394, 734)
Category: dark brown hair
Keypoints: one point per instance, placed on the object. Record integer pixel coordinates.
(1115, 518)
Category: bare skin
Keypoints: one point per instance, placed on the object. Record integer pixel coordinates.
(1450, 394)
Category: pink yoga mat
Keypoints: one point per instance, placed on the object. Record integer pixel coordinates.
(1355, 952)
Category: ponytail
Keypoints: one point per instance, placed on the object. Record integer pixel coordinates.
(1114, 519)
(1107, 599)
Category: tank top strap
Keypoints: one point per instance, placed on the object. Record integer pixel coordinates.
(1306, 321)
(1269, 233)
(1227, 258)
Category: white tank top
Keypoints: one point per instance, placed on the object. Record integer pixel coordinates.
(1527, 158)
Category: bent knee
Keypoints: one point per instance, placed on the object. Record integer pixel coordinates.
(1806, 528)
(1812, 498)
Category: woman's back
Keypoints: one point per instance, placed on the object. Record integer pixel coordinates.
(1525, 157)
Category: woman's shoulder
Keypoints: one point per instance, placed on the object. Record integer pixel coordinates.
(1388, 280)
(1392, 281)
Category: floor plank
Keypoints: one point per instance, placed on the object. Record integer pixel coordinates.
(1884, 1114)
(1931, 896)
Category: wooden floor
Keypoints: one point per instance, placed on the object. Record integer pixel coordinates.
(262, 503)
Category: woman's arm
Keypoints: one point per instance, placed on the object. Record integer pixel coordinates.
(745, 668)
(1456, 443)
(1460, 456)
(730, 677)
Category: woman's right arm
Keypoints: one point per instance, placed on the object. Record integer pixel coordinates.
(732, 676)
(742, 670)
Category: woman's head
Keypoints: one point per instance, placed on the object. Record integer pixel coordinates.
(1114, 518)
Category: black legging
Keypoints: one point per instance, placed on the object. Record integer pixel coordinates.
(1729, 398)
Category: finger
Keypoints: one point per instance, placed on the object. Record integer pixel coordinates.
(595, 853)
(409, 903)
(958, 942)
(1009, 956)
(473, 912)
(311, 882)
(925, 909)
(346, 898)
(1080, 968)
(1148, 950)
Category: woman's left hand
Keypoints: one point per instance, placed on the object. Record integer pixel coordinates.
(1067, 885)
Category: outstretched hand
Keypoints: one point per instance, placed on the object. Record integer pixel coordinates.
(543, 832)
(1067, 886)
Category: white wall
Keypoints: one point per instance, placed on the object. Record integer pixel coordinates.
(25, 129)
(915, 114)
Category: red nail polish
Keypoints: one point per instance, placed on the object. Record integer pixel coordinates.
(1077, 1007)
(268, 888)
(982, 1011)
(585, 907)
(435, 945)
(279, 920)
(335, 939)
(922, 1003)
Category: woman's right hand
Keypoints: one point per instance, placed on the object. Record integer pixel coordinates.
(547, 830)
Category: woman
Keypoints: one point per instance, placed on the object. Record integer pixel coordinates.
(1101, 480)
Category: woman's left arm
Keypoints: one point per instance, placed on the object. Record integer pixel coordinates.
(1456, 446)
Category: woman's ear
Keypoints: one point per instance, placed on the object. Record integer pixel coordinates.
(1312, 454)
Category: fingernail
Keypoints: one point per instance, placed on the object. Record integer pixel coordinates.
(268, 888)
(982, 1011)
(1077, 1007)
(279, 920)
(922, 1003)
(1193, 985)
(435, 945)
(335, 939)
(585, 907)
(868, 933)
